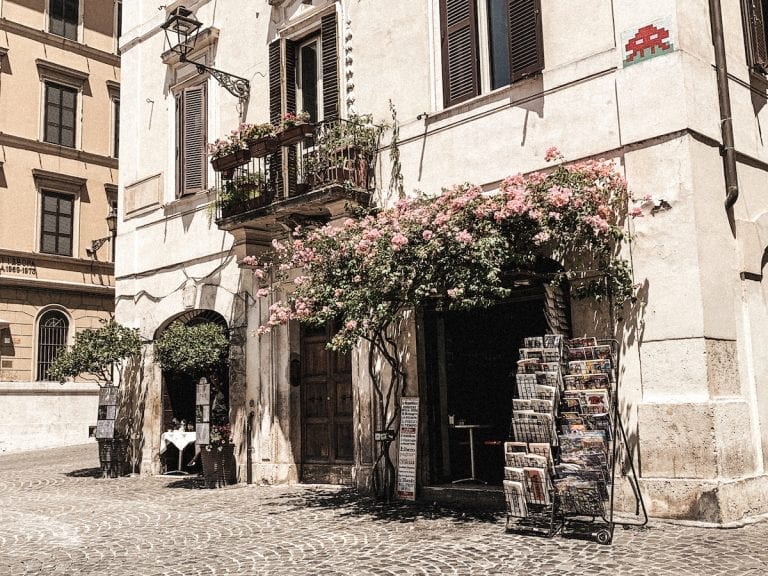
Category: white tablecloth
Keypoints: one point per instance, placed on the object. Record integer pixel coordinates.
(178, 438)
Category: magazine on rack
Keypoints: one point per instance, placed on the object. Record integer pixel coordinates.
(549, 378)
(526, 387)
(585, 381)
(589, 366)
(536, 486)
(532, 354)
(553, 341)
(533, 342)
(543, 405)
(590, 353)
(515, 497)
(581, 342)
(544, 450)
(522, 404)
(528, 366)
(514, 474)
(543, 391)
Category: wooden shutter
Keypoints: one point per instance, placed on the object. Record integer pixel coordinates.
(193, 166)
(757, 35)
(461, 71)
(329, 39)
(275, 109)
(290, 106)
(526, 49)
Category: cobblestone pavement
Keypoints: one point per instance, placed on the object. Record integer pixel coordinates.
(58, 517)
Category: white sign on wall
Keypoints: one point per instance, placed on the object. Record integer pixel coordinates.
(409, 439)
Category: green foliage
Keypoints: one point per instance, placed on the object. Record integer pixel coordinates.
(96, 351)
(239, 189)
(196, 350)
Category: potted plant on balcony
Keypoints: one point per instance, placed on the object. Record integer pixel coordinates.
(98, 355)
(294, 127)
(243, 191)
(228, 153)
(260, 138)
(347, 149)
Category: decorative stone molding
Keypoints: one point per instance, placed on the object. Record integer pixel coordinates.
(60, 182)
(58, 73)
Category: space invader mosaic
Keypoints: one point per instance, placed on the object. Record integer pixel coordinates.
(648, 41)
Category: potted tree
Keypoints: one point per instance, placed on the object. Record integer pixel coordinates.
(100, 354)
(200, 352)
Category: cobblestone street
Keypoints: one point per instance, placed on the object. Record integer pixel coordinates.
(58, 517)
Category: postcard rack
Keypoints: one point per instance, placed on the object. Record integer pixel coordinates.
(559, 467)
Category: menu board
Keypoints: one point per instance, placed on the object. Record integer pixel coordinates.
(406, 459)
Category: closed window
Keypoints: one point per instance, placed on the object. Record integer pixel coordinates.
(56, 223)
(755, 12)
(116, 128)
(191, 142)
(63, 17)
(60, 114)
(487, 44)
(51, 339)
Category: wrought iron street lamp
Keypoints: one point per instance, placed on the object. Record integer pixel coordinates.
(181, 30)
(111, 226)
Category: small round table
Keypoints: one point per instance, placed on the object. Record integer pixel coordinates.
(471, 428)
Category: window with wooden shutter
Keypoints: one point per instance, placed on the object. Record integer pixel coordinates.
(60, 114)
(757, 34)
(511, 48)
(275, 109)
(461, 77)
(526, 52)
(63, 17)
(330, 53)
(191, 140)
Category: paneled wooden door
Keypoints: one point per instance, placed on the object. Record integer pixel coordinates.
(326, 410)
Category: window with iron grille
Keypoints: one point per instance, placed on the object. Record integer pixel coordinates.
(63, 17)
(56, 223)
(756, 33)
(60, 114)
(51, 339)
(487, 44)
(191, 140)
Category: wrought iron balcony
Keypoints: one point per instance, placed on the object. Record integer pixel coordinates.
(306, 167)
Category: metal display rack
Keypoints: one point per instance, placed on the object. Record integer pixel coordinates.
(583, 429)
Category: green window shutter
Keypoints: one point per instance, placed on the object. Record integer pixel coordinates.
(526, 47)
(461, 71)
(194, 166)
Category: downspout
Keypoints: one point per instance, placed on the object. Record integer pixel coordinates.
(724, 98)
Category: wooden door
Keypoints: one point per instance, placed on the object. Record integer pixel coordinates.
(326, 410)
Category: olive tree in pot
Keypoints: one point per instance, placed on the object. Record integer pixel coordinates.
(102, 355)
(200, 352)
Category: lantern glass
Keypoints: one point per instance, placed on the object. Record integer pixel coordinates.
(183, 25)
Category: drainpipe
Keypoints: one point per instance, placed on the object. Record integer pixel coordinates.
(724, 98)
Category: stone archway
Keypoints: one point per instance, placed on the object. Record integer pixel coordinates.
(179, 402)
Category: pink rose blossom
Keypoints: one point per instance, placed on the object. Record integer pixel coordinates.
(351, 324)
(464, 237)
(427, 235)
(636, 212)
(398, 241)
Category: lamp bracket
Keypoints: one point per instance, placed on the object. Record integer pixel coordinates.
(239, 87)
(95, 245)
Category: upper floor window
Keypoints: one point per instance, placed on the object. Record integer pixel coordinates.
(309, 87)
(57, 217)
(116, 128)
(755, 12)
(60, 114)
(51, 339)
(63, 18)
(191, 140)
(487, 44)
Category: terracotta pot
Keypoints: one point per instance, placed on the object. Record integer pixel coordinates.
(218, 466)
(263, 146)
(231, 161)
(295, 134)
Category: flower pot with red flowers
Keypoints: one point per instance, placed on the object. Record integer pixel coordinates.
(294, 127)
(260, 138)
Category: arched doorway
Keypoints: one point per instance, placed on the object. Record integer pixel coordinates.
(179, 396)
(470, 361)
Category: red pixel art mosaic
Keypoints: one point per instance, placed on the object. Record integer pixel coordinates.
(649, 41)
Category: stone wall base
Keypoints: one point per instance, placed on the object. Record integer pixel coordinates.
(706, 502)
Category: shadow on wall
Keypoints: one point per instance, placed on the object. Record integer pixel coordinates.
(132, 402)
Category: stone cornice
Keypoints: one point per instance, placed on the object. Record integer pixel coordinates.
(56, 150)
(78, 265)
(21, 282)
(61, 42)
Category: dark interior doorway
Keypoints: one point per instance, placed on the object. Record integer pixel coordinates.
(471, 358)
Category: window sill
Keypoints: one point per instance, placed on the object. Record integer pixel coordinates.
(521, 89)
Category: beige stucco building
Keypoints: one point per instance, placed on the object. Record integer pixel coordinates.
(59, 122)
(634, 82)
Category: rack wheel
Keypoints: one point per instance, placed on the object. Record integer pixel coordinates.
(603, 536)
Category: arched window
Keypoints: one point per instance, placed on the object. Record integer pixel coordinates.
(51, 337)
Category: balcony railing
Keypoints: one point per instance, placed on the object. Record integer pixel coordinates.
(337, 155)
